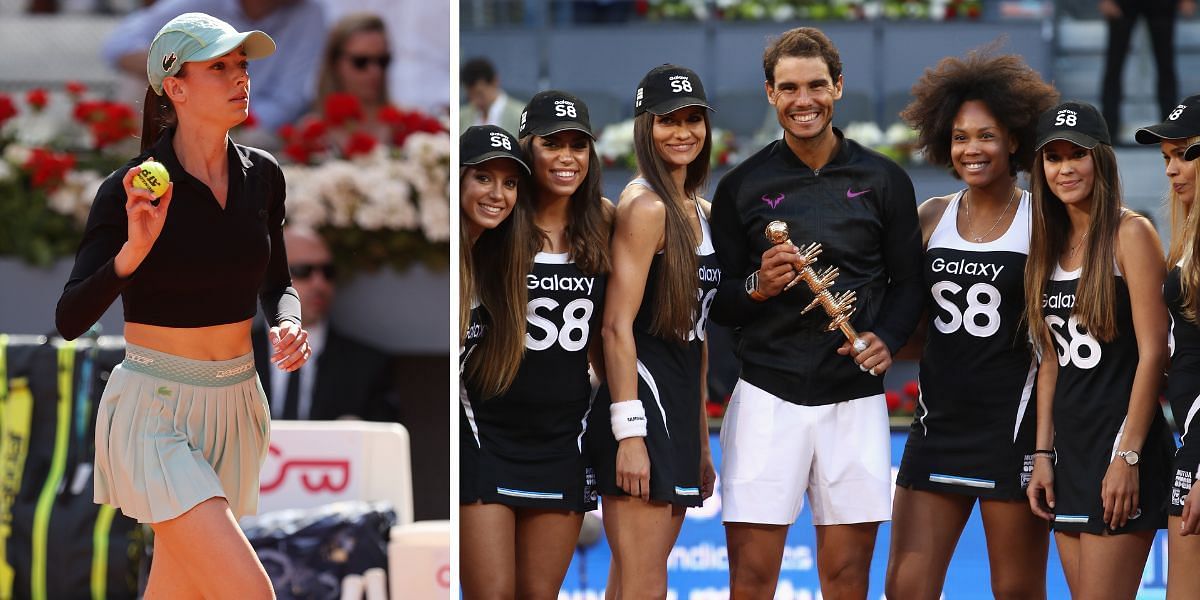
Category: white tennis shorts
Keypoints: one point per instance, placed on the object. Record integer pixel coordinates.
(776, 451)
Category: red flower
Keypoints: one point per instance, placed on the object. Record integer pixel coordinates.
(313, 131)
(37, 98)
(713, 409)
(106, 132)
(342, 107)
(404, 123)
(304, 140)
(76, 89)
(251, 121)
(109, 122)
(912, 389)
(8, 110)
(893, 400)
(390, 115)
(85, 110)
(298, 152)
(359, 143)
(119, 112)
(47, 169)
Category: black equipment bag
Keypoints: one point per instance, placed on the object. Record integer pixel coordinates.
(55, 541)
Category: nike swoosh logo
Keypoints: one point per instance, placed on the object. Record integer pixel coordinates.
(853, 194)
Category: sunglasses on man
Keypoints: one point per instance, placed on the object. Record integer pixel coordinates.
(306, 270)
(362, 61)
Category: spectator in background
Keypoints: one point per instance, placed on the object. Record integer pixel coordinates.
(1122, 16)
(283, 83)
(355, 61)
(345, 378)
(418, 32)
(487, 103)
(354, 65)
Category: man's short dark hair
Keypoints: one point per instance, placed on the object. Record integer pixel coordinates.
(476, 70)
(802, 42)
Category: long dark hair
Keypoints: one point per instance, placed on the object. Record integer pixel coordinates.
(1095, 298)
(499, 263)
(675, 300)
(589, 223)
(466, 278)
(158, 114)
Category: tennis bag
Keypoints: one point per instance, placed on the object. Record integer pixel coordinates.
(55, 543)
(307, 552)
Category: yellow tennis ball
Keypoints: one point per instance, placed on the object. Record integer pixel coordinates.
(152, 175)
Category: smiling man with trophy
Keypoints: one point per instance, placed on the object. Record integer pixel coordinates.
(825, 234)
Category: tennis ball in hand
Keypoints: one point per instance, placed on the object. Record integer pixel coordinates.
(152, 175)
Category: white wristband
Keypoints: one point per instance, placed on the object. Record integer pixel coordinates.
(628, 419)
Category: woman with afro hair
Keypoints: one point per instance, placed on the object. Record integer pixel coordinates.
(972, 436)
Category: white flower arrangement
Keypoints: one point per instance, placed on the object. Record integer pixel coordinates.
(72, 198)
(866, 133)
(615, 143)
(377, 191)
(382, 207)
(898, 142)
(75, 196)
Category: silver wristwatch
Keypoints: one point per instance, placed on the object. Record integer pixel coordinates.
(752, 283)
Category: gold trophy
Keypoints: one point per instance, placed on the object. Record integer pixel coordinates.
(839, 306)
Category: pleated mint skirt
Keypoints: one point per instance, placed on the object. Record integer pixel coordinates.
(173, 432)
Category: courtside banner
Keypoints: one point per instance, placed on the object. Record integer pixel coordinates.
(313, 463)
(698, 567)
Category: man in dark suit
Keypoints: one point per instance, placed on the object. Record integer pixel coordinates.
(346, 379)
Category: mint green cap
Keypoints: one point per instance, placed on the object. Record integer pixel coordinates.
(193, 37)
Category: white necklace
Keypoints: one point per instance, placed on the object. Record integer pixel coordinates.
(971, 227)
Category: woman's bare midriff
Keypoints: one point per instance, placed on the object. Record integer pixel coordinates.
(216, 342)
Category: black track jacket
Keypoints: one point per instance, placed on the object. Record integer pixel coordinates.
(861, 208)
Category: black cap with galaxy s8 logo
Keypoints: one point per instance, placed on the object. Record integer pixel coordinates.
(1076, 122)
(552, 111)
(1182, 123)
(481, 143)
(668, 88)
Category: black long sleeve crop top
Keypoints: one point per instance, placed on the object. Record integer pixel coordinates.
(207, 264)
